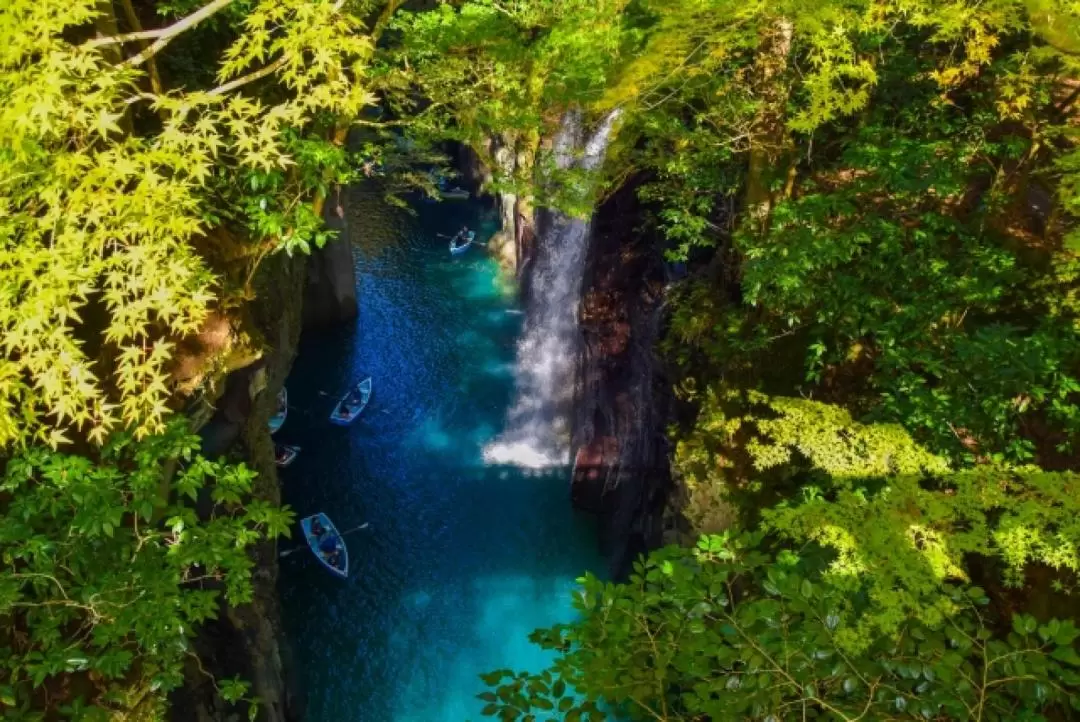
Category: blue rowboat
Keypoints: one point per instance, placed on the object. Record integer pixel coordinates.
(352, 403)
(457, 249)
(326, 544)
(454, 194)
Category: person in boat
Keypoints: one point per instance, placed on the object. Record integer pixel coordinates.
(334, 558)
(461, 238)
(347, 405)
(316, 528)
(457, 238)
(328, 547)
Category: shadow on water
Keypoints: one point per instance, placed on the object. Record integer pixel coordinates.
(462, 559)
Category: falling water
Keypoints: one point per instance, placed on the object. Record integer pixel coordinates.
(538, 425)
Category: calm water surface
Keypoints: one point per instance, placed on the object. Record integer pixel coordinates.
(461, 560)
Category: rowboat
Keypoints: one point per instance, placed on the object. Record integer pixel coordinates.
(454, 194)
(456, 249)
(326, 543)
(285, 454)
(278, 419)
(352, 403)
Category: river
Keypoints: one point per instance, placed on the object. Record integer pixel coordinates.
(462, 558)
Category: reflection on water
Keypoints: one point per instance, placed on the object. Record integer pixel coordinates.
(462, 559)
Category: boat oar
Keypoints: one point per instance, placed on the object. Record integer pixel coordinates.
(287, 552)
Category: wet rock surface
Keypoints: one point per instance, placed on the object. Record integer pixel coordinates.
(330, 284)
(622, 399)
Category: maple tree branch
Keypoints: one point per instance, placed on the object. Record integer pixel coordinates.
(161, 36)
(249, 78)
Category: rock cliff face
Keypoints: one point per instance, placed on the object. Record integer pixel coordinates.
(623, 400)
(330, 290)
(513, 156)
(248, 640)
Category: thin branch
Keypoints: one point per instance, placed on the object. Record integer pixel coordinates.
(38, 575)
(783, 672)
(1064, 105)
(176, 28)
(161, 36)
(657, 657)
(249, 78)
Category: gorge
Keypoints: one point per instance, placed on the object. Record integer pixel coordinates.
(464, 555)
(442, 592)
(757, 398)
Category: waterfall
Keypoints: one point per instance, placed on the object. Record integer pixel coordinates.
(537, 430)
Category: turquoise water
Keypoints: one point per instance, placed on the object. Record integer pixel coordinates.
(461, 560)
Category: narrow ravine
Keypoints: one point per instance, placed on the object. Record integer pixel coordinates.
(463, 558)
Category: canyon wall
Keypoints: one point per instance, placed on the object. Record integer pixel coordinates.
(623, 399)
(330, 287)
(248, 641)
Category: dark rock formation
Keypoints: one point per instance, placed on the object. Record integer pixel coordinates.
(471, 166)
(248, 640)
(622, 398)
(330, 290)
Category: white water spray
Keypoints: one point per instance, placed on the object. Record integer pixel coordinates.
(538, 426)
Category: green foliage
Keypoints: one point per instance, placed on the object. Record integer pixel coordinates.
(129, 209)
(99, 223)
(897, 541)
(897, 520)
(948, 312)
(108, 569)
(730, 631)
(736, 439)
(901, 260)
(497, 76)
(828, 438)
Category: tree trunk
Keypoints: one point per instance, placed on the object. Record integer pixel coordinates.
(768, 136)
(525, 160)
(151, 65)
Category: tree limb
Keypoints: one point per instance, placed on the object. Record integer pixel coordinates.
(384, 18)
(161, 36)
(249, 78)
(1064, 105)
